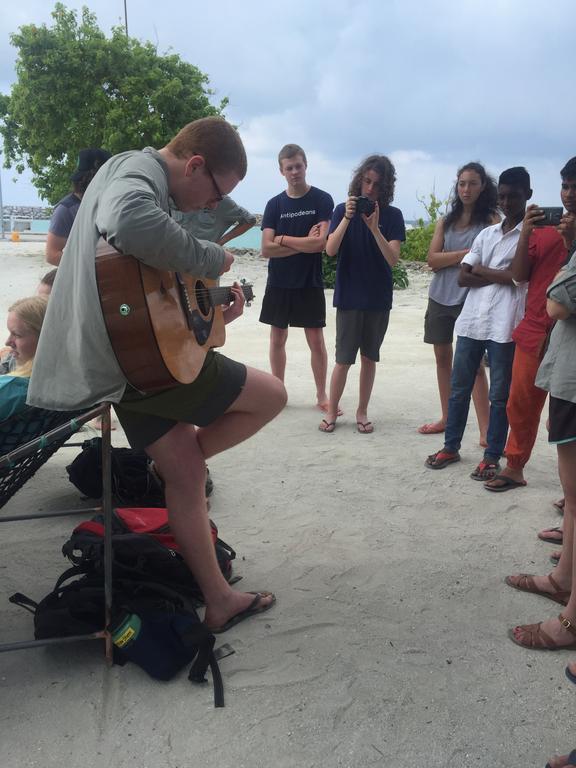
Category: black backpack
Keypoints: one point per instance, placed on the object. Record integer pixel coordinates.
(151, 625)
(143, 550)
(133, 482)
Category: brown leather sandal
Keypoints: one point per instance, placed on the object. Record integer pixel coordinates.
(536, 639)
(526, 583)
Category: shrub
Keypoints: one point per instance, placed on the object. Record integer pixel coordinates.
(399, 273)
(418, 239)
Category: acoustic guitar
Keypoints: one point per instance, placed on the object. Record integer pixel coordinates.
(161, 324)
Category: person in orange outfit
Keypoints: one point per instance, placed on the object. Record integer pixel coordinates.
(540, 253)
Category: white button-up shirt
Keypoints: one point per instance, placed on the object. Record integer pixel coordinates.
(493, 311)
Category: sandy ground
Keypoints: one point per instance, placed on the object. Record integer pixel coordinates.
(388, 645)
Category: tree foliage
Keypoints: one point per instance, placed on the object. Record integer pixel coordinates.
(418, 239)
(399, 273)
(77, 88)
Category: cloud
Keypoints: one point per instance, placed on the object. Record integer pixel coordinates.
(433, 85)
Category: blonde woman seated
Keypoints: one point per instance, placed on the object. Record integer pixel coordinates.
(25, 318)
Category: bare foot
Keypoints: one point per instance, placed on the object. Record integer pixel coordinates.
(327, 425)
(483, 442)
(563, 761)
(434, 428)
(233, 604)
(325, 406)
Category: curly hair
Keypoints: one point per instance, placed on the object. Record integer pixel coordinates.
(381, 165)
(485, 208)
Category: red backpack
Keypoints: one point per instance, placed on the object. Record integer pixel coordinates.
(144, 549)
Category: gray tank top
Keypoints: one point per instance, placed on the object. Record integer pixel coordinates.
(444, 288)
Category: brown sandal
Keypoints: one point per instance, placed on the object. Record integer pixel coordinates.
(526, 583)
(536, 639)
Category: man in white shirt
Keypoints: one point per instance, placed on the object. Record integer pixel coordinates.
(494, 306)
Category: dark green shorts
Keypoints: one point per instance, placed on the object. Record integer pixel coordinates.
(146, 418)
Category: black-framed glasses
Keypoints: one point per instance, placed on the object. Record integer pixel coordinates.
(219, 195)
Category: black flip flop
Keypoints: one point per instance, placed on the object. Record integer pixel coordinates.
(572, 679)
(509, 484)
(252, 610)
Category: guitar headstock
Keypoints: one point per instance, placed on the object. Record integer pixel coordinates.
(247, 291)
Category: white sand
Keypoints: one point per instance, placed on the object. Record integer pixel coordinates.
(388, 645)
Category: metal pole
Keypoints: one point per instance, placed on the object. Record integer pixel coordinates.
(1, 208)
(125, 18)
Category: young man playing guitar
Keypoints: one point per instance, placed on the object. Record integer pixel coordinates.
(127, 204)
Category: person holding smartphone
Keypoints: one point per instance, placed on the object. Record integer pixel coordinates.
(541, 251)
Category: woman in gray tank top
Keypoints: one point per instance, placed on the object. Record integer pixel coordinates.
(473, 207)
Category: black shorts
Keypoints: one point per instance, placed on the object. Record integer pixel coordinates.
(295, 307)
(358, 329)
(562, 421)
(146, 418)
(439, 322)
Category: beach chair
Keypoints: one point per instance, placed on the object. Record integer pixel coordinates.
(27, 441)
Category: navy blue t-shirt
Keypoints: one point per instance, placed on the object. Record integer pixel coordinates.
(363, 276)
(295, 217)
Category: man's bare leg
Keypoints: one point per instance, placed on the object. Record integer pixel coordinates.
(180, 459)
(319, 364)
(261, 399)
(367, 376)
(337, 384)
(278, 338)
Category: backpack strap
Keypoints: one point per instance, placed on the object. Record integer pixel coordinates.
(23, 601)
(75, 570)
(197, 674)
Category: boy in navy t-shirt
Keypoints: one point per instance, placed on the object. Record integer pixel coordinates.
(294, 231)
(367, 246)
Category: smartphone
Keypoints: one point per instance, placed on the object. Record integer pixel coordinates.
(552, 216)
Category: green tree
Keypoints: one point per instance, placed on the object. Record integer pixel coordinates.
(77, 88)
(418, 239)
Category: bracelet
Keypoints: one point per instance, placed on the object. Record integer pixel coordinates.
(348, 218)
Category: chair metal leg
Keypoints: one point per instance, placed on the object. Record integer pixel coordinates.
(107, 513)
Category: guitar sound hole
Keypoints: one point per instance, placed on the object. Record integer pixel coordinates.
(202, 298)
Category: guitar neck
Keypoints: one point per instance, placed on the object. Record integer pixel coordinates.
(223, 295)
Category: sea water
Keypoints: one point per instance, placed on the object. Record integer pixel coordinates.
(250, 239)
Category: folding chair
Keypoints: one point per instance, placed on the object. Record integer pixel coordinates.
(27, 441)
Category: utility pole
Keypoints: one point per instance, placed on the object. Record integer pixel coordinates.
(125, 18)
(3, 235)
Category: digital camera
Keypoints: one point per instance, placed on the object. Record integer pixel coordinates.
(365, 205)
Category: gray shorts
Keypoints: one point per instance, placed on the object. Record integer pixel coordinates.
(439, 322)
(359, 329)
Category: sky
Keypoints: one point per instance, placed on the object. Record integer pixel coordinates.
(433, 84)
